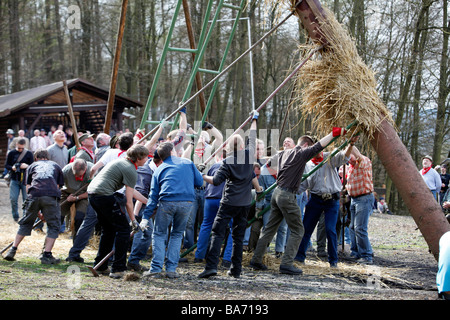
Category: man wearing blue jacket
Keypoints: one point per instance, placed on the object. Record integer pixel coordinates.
(172, 191)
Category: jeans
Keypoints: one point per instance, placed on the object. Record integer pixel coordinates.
(313, 211)
(177, 214)
(225, 214)
(360, 209)
(141, 241)
(115, 231)
(209, 214)
(84, 233)
(15, 188)
(197, 207)
(284, 206)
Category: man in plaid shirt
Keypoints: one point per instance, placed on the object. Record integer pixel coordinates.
(360, 189)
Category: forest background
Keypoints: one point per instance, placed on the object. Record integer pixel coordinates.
(404, 41)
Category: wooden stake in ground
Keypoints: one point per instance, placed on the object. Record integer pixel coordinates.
(378, 128)
(113, 84)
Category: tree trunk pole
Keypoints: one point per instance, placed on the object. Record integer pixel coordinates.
(393, 154)
(113, 84)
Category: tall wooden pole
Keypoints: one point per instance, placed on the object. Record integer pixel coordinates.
(113, 84)
(393, 154)
(71, 115)
(198, 80)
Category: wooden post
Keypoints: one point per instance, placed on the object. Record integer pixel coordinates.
(394, 156)
(113, 84)
(198, 80)
(72, 117)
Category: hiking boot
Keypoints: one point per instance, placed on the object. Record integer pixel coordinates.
(75, 259)
(48, 258)
(10, 255)
(289, 269)
(104, 272)
(234, 275)
(172, 274)
(117, 274)
(157, 275)
(136, 267)
(258, 266)
(364, 261)
(207, 273)
(226, 264)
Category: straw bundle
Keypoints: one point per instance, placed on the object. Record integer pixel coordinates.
(336, 87)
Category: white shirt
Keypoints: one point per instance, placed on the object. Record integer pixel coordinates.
(37, 142)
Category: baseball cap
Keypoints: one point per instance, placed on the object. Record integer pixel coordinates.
(85, 136)
(428, 157)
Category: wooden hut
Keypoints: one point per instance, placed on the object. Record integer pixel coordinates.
(44, 106)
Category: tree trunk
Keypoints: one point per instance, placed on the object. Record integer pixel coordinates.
(14, 42)
(398, 163)
(444, 88)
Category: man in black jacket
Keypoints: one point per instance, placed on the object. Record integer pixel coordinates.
(17, 163)
(237, 171)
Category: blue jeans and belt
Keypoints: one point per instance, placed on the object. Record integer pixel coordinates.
(177, 214)
(209, 214)
(361, 208)
(84, 233)
(15, 187)
(313, 210)
(197, 207)
(141, 241)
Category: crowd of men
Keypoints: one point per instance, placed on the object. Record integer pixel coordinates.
(161, 193)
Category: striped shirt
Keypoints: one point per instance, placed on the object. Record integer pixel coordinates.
(359, 179)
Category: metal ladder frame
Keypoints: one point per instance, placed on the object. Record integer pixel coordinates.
(199, 52)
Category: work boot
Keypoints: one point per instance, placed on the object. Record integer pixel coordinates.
(10, 255)
(207, 273)
(234, 275)
(117, 274)
(258, 265)
(290, 269)
(75, 259)
(136, 267)
(172, 274)
(48, 258)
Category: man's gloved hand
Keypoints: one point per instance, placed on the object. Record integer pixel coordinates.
(200, 167)
(259, 199)
(254, 114)
(206, 125)
(339, 131)
(135, 226)
(165, 123)
(139, 134)
(257, 211)
(144, 224)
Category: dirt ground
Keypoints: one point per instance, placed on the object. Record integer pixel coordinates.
(403, 270)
